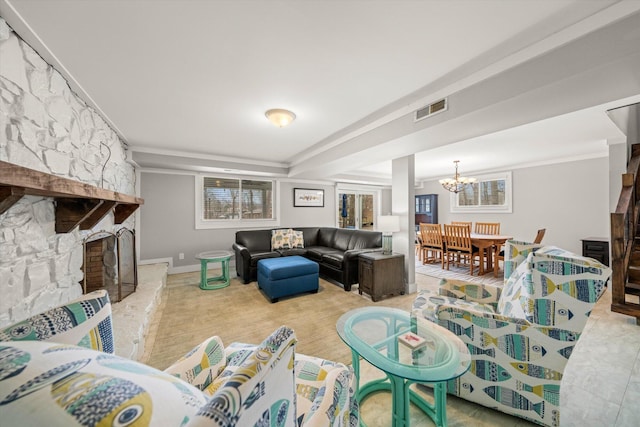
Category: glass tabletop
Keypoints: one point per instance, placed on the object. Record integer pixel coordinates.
(402, 345)
(214, 255)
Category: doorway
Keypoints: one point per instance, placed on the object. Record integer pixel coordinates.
(356, 209)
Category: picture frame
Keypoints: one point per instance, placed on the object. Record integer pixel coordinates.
(308, 197)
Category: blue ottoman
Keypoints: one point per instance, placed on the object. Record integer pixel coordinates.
(289, 275)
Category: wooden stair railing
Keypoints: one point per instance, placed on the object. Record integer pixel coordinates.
(625, 243)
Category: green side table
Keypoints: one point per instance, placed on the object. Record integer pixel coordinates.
(217, 282)
(378, 335)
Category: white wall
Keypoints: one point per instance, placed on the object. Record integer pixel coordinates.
(45, 126)
(167, 218)
(570, 200)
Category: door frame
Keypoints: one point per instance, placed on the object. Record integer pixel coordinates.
(358, 190)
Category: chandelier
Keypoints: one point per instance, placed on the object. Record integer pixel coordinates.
(458, 182)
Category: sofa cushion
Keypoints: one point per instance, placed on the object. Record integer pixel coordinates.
(334, 259)
(293, 252)
(316, 253)
(361, 239)
(257, 256)
(325, 237)
(47, 383)
(85, 321)
(341, 239)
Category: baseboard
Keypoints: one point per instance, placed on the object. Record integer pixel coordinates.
(184, 268)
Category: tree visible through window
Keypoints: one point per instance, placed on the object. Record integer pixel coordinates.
(233, 199)
(488, 193)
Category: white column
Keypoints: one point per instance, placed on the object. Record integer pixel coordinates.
(403, 205)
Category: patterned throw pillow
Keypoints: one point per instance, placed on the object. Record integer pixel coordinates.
(46, 383)
(85, 321)
(280, 239)
(296, 238)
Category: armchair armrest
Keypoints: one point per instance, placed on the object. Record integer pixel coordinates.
(202, 365)
(427, 305)
(325, 393)
(475, 292)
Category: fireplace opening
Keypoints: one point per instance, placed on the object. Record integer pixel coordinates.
(110, 263)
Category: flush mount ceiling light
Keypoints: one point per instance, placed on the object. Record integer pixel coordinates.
(280, 117)
(458, 182)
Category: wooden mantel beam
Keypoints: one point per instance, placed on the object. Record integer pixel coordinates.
(71, 211)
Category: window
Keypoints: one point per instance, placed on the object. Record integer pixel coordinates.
(490, 193)
(230, 202)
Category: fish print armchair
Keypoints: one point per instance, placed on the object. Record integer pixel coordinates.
(57, 368)
(520, 336)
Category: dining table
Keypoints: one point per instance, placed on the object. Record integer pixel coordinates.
(488, 243)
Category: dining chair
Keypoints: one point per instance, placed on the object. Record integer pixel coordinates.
(540, 235)
(492, 228)
(419, 245)
(487, 228)
(432, 243)
(458, 247)
(467, 223)
(499, 254)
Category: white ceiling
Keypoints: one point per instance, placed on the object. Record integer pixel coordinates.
(194, 78)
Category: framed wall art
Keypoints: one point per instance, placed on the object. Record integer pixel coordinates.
(308, 197)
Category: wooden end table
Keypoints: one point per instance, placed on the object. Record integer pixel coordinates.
(381, 274)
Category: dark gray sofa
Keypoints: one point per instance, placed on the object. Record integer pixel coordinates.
(335, 250)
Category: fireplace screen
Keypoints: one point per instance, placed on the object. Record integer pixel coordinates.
(110, 263)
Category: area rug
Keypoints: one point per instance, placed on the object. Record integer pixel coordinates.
(458, 273)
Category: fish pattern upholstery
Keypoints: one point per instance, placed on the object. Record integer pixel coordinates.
(85, 321)
(47, 380)
(520, 337)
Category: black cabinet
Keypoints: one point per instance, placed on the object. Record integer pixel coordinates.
(596, 248)
(426, 209)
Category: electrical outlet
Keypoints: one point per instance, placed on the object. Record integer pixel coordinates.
(181, 255)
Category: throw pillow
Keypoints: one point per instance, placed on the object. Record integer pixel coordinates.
(46, 383)
(280, 239)
(296, 239)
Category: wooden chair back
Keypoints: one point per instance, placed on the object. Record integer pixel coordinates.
(457, 237)
(487, 228)
(467, 223)
(431, 235)
(540, 235)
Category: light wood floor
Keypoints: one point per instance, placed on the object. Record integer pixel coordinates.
(242, 313)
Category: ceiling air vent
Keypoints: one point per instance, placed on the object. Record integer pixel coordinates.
(431, 109)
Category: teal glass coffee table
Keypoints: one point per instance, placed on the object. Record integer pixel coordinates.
(216, 282)
(408, 350)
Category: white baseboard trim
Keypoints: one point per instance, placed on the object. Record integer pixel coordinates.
(167, 260)
(183, 268)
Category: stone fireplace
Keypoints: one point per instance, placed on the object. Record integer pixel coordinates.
(110, 263)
